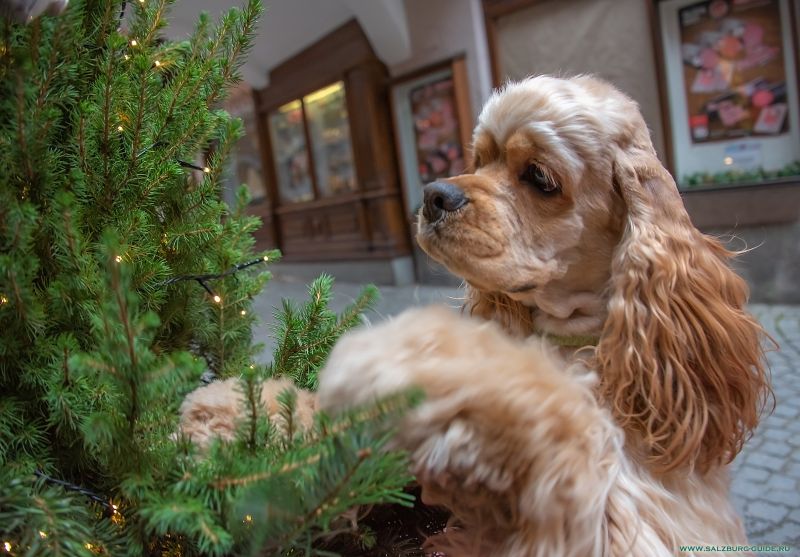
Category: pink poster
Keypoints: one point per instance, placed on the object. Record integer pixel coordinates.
(733, 68)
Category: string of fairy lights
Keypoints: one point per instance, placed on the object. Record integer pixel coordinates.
(110, 507)
(203, 279)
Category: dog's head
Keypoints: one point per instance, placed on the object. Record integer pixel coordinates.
(539, 217)
(570, 225)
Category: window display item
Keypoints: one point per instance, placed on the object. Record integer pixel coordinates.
(290, 152)
(436, 129)
(312, 147)
(329, 131)
(726, 46)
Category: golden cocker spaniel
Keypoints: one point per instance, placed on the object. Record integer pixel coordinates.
(569, 233)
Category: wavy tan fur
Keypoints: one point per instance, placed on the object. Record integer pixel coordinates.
(544, 451)
(214, 411)
(681, 362)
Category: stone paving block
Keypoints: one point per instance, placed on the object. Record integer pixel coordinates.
(767, 511)
(763, 460)
(788, 497)
(793, 469)
(788, 533)
(785, 410)
(755, 527)
(777, 434)
(746, 489)
(751, 474)
(777, 448)
(783, 482)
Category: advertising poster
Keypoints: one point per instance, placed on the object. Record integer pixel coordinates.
(439, 151)
(733, 69)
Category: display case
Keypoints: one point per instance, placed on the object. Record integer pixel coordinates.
(328, 153)
(331, 148)
(290, 152)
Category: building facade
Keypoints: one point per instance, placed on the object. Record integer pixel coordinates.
(351, 127)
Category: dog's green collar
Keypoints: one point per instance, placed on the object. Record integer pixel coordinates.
(576, 341)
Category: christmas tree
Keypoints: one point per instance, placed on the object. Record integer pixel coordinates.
(123, 279)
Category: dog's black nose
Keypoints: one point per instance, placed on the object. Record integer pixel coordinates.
(441, 198)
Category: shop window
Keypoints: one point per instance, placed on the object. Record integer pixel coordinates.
(286, 128)
(311, 146)
(329, 130)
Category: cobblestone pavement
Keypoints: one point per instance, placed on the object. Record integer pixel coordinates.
(766, 475)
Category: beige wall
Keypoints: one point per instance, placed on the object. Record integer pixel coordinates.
(442, 29)
(608, 38)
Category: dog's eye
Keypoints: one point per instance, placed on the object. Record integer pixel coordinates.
(535, 176)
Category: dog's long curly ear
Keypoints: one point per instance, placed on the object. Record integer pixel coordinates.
(681, 363)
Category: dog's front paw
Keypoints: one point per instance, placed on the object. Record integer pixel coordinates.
(371, 363)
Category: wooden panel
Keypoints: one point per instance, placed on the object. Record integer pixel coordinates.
(329, 229)
(389, 230)
(332, 232)
(318, 65)
(371, 128)
(746, 205)
(465, 123)
(265, 235)
(269, 235)
(499, 8)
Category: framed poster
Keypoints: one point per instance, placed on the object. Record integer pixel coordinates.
(733, 70)
(437, 133)
(433, 126)
(731, 87)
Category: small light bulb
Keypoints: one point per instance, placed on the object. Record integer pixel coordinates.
(3, 300)
(7, 546)
(141, 1)
(127, 57)
(88, 546)
(158, 63)
(114, 507)
(266, 258)
(42, 535)
(118, 259)
(252, 366)
(217, 298)
(244, 312)
(120, 129)
(134, 43)
(248, 518)
(206, 169)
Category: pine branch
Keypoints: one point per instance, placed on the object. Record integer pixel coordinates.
(101, 229)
